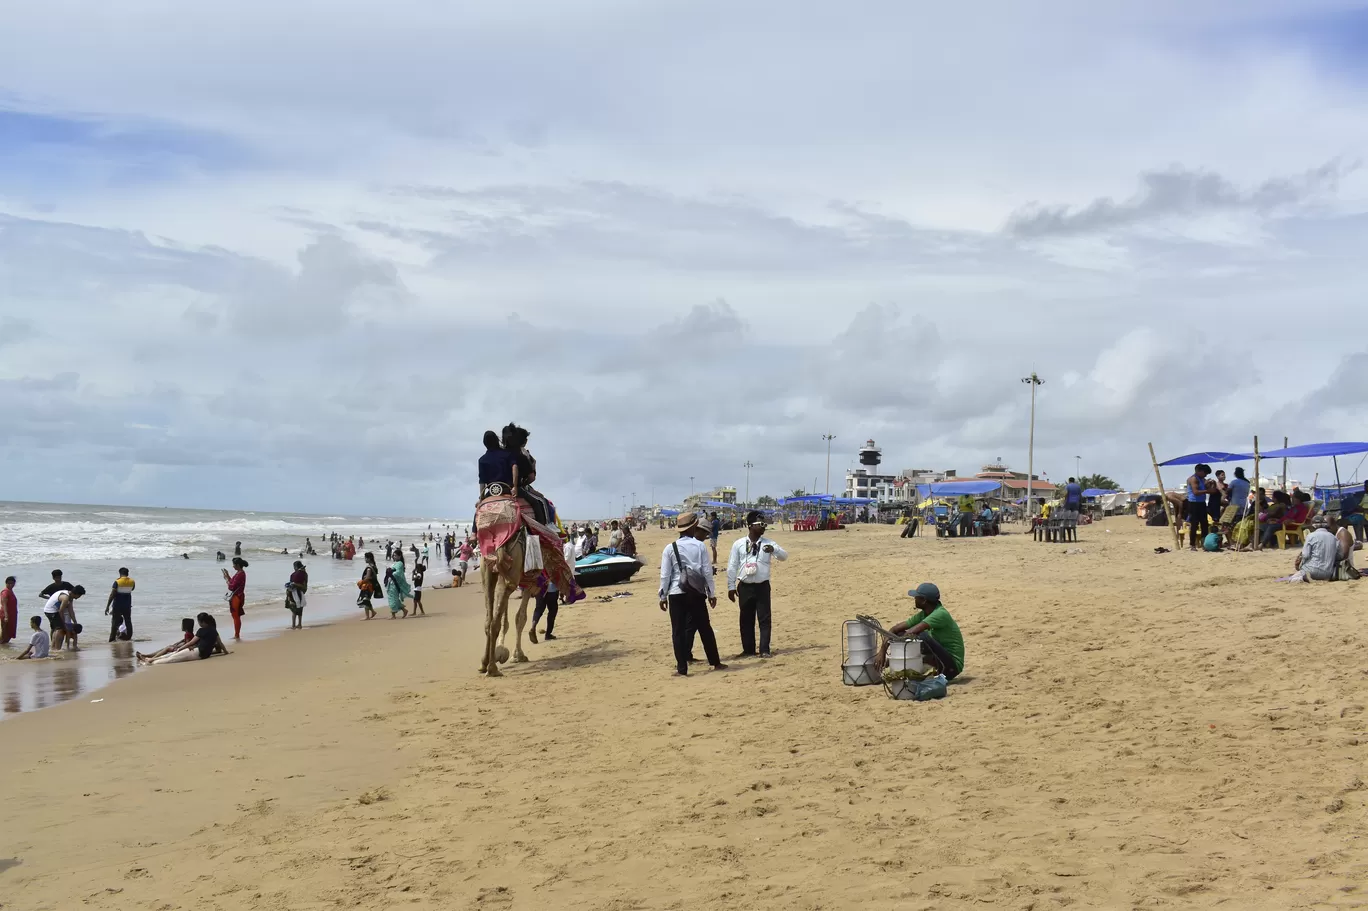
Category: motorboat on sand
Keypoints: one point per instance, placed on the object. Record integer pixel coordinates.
(605, 567)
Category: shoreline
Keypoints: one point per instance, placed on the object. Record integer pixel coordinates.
(35, 686)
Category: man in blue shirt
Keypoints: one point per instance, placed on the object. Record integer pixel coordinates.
(1073, 496)
(1237, 490)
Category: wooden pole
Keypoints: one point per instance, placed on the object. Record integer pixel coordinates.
(1255, 544)
(1284, 474)
(1163, 495)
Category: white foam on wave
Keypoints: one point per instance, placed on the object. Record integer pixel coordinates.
(42, 541)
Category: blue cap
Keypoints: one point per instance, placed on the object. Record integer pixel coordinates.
(926, 590)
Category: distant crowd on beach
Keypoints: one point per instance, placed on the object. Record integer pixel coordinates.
(57, 627)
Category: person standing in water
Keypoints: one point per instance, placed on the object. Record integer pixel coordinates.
(369, 585)
(237, 594)
(295, 590)
(120, 604)
(419, 569)
(9, 611)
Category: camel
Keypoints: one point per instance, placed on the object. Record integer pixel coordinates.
(506, 569)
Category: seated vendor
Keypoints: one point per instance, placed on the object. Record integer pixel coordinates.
(932, 625)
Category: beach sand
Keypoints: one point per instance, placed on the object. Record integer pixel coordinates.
(1132, 731)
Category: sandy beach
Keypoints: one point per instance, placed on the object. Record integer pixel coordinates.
(1132, 730)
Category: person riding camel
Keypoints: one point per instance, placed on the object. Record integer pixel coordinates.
(506, 471)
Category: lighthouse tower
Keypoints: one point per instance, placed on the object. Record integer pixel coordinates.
(871, 455)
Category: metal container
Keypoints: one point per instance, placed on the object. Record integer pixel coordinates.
(859, 651)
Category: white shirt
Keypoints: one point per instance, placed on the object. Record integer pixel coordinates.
(615, 540)
(54, 603)
(39, 642)
(739, 553)
(692, 553)
(568, 552)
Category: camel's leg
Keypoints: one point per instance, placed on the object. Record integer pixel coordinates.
(518, 655)
(498, 625)
(487, 570)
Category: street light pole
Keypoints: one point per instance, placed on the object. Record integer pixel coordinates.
(748, 466)
(1078, 468)
(1033, 381)
(828, 437)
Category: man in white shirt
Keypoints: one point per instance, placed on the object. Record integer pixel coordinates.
(38, 642)
(1320, 553)
(615, 537)
(748, 581)
(686, 591)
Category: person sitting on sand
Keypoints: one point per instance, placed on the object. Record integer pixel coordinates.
(206, 644)
(1346, 570)
(187, 636)
(39, 643)
(931, 624)
(1319, 555)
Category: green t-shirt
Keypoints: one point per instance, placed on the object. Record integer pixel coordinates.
(943, 629)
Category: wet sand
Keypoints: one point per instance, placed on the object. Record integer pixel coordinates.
(1133, 731)
(31, 685)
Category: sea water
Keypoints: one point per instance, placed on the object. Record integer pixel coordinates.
(171, 555)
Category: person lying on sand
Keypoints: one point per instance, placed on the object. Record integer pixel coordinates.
(931, 624)
(206, 644)
(187, 636)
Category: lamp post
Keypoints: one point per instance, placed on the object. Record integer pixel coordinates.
(1078, 468)
(828, 437)
(748, 466)
(1033, 381)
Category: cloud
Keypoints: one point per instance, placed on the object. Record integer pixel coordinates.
(1176, 192)
(311, 283)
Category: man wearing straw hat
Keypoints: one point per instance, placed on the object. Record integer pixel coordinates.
(686, 591)
(748, 581)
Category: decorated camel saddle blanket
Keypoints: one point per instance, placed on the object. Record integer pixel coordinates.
(497, 521)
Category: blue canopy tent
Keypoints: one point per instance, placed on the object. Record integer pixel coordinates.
(1099, 492)
(1318, 451)
(807, 498)
(1193, 458)
(958, 488)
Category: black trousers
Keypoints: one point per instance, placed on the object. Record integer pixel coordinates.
(1196, 516)
(116, 615)
(938, 655)
(754, 599)
(689, 615)
(548, 604)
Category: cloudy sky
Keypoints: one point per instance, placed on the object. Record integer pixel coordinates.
(275, 255)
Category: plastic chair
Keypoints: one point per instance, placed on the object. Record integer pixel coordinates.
(1290, 534)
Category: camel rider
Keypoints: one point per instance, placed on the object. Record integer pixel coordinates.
(497, 468)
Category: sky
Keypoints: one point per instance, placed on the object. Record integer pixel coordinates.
(265, 256)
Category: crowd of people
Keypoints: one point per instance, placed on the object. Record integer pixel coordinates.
(1223, 514)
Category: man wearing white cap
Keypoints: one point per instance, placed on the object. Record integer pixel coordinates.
(686, 591)
(748, 581)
